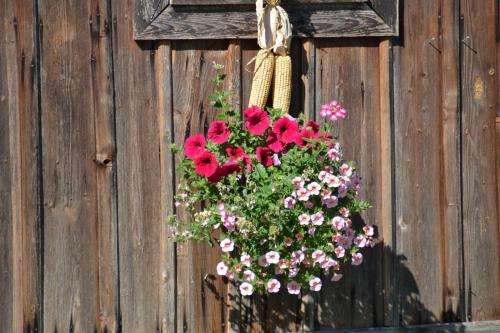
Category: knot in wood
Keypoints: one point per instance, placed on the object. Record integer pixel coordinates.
(103, 159)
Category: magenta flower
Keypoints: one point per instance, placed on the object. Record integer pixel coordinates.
(218, 132)
(206, 164)
(194, 146)
(257, 120)
(286, 129)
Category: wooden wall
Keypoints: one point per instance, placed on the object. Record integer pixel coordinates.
(86, 176)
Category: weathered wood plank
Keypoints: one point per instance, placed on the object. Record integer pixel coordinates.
(480, 211)
(105, 159)
(427, 170)
(145, 11)
(226, 22)
(71, 67)
(8, 101)
(386, 227)
(139, 177)
(464, 327)
(252, 2)
(168, 247)
(20, 217)
(200, 292)
(346, 71)
(450, 196)
(388, 11)
(308, 72)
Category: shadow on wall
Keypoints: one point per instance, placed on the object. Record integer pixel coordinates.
(358, 300)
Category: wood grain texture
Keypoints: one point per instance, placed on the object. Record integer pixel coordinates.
(252, 2)
(145, 11)
(105, 160)
(346, 71)
(8, 101)
(386, 227)
(450, 196)
(20, 217)
(427, 168)
(227, 22)
(168, 247)
(140, 216)
(480, 211)
(78, 242)
(389, 12)
(201, 299)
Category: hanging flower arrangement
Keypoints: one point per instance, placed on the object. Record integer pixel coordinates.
(277, 197)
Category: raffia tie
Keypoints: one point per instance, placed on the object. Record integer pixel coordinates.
(274, 30)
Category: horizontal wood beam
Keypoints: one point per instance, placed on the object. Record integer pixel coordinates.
(239, 22)
(252, 2)
(466, 327)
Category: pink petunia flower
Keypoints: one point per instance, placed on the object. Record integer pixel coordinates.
(234, 152)
(289, 202)
(369, 230)
(338, 223)
(222, 269)
(344, 211)
(317, 218)
(248, 275)
(246, 289)
(206, 164)
(360, 241)
(227, 245)
(345, 170)
(330, 202)
(194, 146)
(304, 219)
(218, 132)
(286, 129)
(297, 182)
(318, 256)
(246, 259)
(273, 286)
(293, 287)
(272, 257)
(274, 143)
(357, 259)
(302, 194)
(340, 251)
(315, 284)
(257, 120)
(334, 155)
(264, 156)
(314, 188)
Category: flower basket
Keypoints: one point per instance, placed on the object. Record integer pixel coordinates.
(275, 194)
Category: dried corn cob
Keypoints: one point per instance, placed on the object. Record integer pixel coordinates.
(262, 77)
(282, 90)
